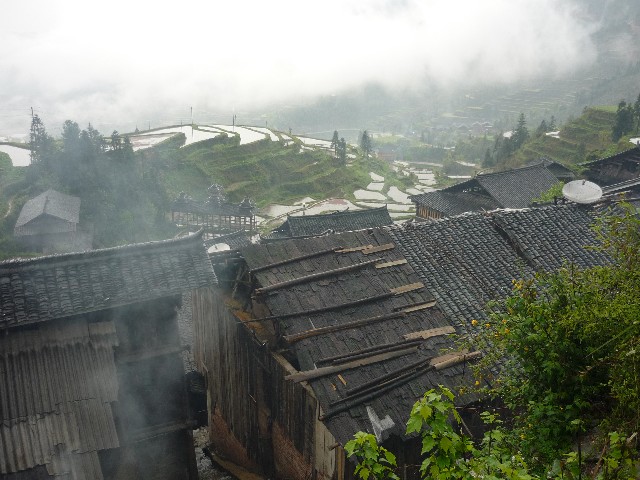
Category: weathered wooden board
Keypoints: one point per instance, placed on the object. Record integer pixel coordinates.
(407, 288)
(324, 371)
(432, 332)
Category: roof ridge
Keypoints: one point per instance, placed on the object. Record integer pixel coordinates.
(85, 256)
(343, 212)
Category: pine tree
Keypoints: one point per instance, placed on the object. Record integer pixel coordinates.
(624, 121)
(542, 128)
(365, 144)
(521, 133)
(40, 142)
(335, 140)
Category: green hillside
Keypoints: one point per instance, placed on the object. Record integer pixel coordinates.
(266, 171)
(584, 138)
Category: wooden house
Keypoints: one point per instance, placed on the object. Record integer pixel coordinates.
(311, 340)
(49, 223)
(618, 168)
(509, 189)
(91, 375)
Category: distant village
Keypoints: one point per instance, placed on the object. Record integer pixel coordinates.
(281, 345)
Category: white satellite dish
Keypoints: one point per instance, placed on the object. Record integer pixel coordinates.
(582, 191)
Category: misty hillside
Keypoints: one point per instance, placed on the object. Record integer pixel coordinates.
(126, 195)
(440, 111)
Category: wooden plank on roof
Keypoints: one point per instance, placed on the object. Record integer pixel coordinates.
(296, 337)
(422, 306)
(324, 371)
(354, 249)
(446, 361)
(313, 276)
(354, 303)
(392, 263)
(379, 248)
(432, 332)
(295, 259)
(407, 288)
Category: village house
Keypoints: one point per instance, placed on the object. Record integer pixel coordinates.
(49, 223)
(307, 341)
(91, 377)
(621, 167)
(348, 220)
(509, 189)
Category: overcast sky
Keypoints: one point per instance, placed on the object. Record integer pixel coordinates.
(118, 61)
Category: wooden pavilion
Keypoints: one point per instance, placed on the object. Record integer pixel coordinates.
(216, 215)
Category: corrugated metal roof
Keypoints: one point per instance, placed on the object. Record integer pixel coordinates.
(45, 288)
(57, 384)
(51, 202)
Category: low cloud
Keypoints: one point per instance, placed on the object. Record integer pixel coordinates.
(133, 62)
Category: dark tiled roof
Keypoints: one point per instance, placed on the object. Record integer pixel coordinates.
(338, 291)
(631, 155)
(235, 240)
(552, 236)
(451, 204)
(517, 188)
(347, 221)
(510, 189)
(56, 204)
(463, 261)
(468, 260)
(632, 185)
(46, 288)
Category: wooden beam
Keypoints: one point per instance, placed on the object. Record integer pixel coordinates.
(379, 248)
(354, 249)
(383, 347)
(313, 276)
(420, 306)
(296, 337)
(392, 263)
(325, 371)
(296, 259)
(454, 360)
(432, 332)
(407, 288)
(354, 303)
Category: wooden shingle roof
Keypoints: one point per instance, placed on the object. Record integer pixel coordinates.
(351, 296)
(358, 295)
(45, 288)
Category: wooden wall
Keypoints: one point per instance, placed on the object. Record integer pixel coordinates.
(257, 418)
